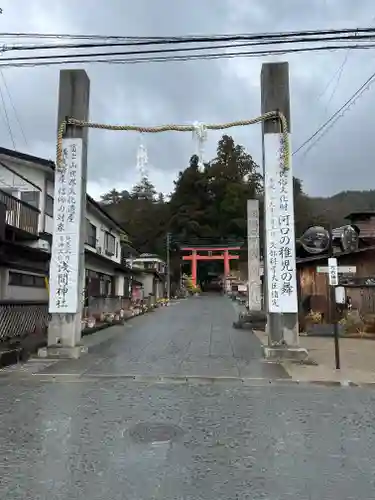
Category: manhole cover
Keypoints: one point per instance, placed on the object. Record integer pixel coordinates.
(154, 432)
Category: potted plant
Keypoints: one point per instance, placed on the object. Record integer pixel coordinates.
(313, 318)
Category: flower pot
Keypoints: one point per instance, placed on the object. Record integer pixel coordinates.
(91, 322)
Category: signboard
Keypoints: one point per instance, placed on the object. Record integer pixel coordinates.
(280, 237)
(253, 255)
(65, 259)
(340, 269)
(333, 275)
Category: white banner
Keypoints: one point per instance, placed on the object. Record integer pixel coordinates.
(280, 234)
(64, 267)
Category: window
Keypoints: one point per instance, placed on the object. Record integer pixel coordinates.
(90, 234)
(48, 209)
(31, 197)
(29, 280)
(109, 243)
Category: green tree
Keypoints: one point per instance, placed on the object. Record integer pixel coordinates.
(189, 203)
(233, 178)
(111, 198)
(144, 190)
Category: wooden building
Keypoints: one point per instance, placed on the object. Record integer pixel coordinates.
(360, 286)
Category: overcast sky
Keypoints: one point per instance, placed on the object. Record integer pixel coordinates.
(204, 91)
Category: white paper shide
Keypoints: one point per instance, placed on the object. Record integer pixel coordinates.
(280, 240)
(64, 268)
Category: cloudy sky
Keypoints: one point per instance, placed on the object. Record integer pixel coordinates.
(204, 91)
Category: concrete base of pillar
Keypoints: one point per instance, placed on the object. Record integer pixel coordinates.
(62, 352)
(285, 353)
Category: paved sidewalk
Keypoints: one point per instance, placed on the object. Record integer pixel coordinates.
(357, 360)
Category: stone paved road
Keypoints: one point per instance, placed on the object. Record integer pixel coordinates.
(80, 440)
(190, 338)
(96, 435)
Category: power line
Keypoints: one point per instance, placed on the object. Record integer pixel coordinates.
(260, 39)
(7, 122)
(35, 61)
(339, 75)
(335, 115)
(185, 37)
(13, 106)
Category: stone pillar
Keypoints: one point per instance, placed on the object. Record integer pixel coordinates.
(253, 256)
(280, 256)
(64, 330)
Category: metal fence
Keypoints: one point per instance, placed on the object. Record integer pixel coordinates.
(18, 319)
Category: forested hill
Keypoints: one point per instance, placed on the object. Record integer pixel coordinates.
(211, 204)
(341, 204)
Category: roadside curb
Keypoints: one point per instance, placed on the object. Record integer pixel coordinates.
(194, 380)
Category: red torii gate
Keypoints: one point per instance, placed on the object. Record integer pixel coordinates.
(223, 254)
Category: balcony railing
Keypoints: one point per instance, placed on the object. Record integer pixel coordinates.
(20, 214)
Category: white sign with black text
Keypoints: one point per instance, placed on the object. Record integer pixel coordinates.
(64, 267)
(333, 272)
(340, 269)
(280, 236)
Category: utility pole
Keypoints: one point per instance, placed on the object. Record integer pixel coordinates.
(67, 268)
(168, 266)
(280, 262)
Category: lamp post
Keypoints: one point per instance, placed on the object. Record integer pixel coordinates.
(317, 240)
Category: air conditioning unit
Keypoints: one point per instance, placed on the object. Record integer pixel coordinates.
(40, 245)
(44, 245)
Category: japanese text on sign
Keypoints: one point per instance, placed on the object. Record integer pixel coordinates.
(333, 274)
(280, 240)
(253, 255)
(64, 268)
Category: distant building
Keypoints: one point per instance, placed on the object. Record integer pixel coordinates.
(154, 276)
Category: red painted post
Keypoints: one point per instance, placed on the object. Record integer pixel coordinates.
(194, 267)
(226, 263)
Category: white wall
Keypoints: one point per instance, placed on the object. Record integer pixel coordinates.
(147, 281)
(97, 266)
(101, 227)
(26, 293)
